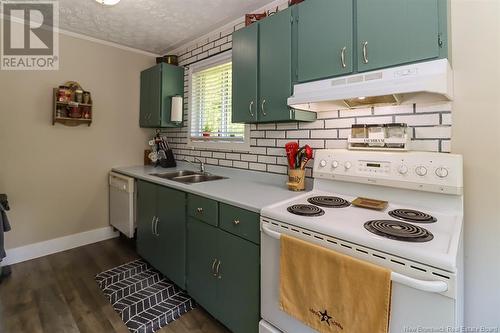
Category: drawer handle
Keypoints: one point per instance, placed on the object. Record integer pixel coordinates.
(342, 57)
(236, 222)
(199, 210)
(365, 52)
(213, 268)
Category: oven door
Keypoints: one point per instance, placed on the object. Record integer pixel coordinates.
(417, 305)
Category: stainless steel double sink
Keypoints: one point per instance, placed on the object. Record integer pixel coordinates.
(188, 177)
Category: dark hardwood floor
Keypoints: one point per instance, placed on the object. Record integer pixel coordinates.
(58, 293)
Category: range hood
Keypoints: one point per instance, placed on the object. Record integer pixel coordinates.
(424, 82)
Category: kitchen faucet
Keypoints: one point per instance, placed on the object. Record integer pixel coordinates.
(202, 164)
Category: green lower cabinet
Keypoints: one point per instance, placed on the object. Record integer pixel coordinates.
(171, 234)
(161, 230)
(201, 264)
(238, 290)
(147, 246)
(223, 274)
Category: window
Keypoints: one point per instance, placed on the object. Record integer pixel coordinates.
(210, 103)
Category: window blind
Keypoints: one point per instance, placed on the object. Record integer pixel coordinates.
(211, 105)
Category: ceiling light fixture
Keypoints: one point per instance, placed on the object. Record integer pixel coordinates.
(108, 2)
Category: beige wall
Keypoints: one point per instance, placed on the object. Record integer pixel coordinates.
(476, 135)
(55, 176)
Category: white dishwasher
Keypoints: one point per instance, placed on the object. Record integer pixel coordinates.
(122, 203)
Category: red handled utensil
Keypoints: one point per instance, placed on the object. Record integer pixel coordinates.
(291, 149)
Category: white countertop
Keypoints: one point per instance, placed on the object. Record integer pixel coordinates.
(246, 189)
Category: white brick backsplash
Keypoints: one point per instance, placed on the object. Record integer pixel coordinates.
(282, 160)
(425, 145)
(226, 163)
(257, 166)
(266, 142)
(276, 151)
(241, 165)
(206, 153)
(266, 159)
(231, 156)
(212, 161)
(446, 119)
(211, 52)
(355, 112)
(286, 126)
(324, 134)
(207, 47)
(226, 46)
(314, 124)
(433, 107)
(438, 132)
(340, 123)
(446, 146)
(257, 134)
(335, 144)
(219, 155)
(221, 41)
(275, 134)
(344, 133)
(277, 169)
(327, 114)
(315, 144)
(396, 109)
(258, 150)
(374, 120)
(249, 158)
(266, 126)
(419, 120)
(297, 134)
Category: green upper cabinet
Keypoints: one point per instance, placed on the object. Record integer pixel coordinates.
(275, 70)
(262, 72)
(158, 85)
(161, 229)
(394, 32)
(245, 69)
(324, 39)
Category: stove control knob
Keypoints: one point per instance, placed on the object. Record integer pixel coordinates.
(403, 169)
(421, 171)
(347, 165)
(335, 164)
(322, 163)
(442, 172)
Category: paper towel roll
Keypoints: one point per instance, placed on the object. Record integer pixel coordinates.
(177, 109)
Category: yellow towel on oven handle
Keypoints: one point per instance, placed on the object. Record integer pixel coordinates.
(332, 292)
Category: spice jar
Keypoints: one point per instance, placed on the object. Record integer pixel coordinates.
(86, 97)
(359, 131)
(62, 94)
(78, 95)
(396, 131)
(376, 134)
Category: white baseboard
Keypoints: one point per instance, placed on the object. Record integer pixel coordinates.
(41, 249)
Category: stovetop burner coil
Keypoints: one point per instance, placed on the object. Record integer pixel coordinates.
(410, 215)
(398, 230)
(329, 201)
(306, 210)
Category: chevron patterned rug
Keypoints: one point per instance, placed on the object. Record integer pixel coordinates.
(145, 299)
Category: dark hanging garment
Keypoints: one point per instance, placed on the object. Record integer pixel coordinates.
(4, 227)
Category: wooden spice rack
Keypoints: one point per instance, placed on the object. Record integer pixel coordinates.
(62, 108)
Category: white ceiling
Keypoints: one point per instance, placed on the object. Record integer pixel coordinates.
(151, 25)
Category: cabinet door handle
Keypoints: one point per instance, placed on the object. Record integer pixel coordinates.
(250, 109)
(213, 268)
(199, 210)
(153, 225)
(236, 222)
(217, 274)
(156, 226)
(262, 108)
(342, 57)
(365, 52)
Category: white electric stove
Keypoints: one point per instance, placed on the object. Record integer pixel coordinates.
(418, 236)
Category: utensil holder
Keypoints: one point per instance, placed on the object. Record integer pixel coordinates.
(296, 179)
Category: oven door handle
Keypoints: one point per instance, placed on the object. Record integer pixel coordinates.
(428, 286)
